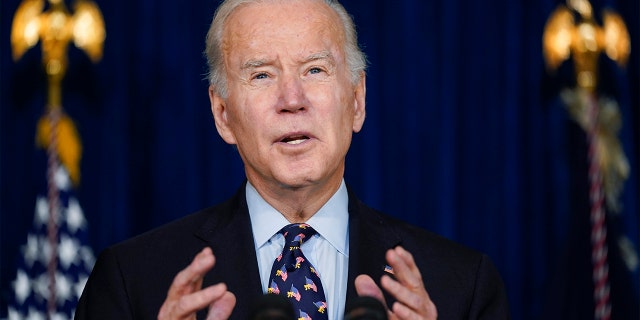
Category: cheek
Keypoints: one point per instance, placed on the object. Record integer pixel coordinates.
(347, 105)
(337, 109)
(329, 98)
(242, 113)
(238, 120)
(250, 127)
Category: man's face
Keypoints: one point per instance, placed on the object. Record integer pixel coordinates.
(291, 106)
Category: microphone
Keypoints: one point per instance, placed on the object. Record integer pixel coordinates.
(271, 307)
(365, 308)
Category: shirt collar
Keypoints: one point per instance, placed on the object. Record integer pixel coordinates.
(331, 221)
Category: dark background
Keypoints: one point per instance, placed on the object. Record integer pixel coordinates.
(465, 135)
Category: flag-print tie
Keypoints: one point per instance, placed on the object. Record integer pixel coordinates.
(293, 276)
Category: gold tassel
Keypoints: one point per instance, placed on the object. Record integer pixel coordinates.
(68, 148)
(612, 160)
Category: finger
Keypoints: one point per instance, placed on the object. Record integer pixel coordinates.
(426, 310)
(402, 294)
(187, 305)
(403, 312)
(404, 268)
(409, 303)
(407, 287)
(407, 257)
(222, 308)
(190, 278)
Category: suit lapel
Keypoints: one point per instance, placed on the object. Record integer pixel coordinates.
(369, 239)
(229, 235)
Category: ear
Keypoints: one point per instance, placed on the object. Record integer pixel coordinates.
(360, 93)
(219, 110)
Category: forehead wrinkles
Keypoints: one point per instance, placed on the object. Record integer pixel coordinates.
(254, 24)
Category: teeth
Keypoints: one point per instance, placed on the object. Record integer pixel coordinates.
(299, 141)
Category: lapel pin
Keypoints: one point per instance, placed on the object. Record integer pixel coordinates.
(388, 269)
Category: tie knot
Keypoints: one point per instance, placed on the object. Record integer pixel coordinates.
(297, 233)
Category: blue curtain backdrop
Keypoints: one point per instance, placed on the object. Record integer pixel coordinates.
(465, 134)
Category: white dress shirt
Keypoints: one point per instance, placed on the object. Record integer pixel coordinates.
(328, 250)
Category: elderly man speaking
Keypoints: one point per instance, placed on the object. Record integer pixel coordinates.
(287, 88)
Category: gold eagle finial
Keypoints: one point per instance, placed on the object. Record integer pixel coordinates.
(55, 29)
(571, 31)
(584, 39)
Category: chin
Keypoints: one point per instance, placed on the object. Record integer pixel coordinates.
(298, 178)
(297, 182)
(309, 174)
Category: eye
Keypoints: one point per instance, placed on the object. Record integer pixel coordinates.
(315, 70)
(260, 76)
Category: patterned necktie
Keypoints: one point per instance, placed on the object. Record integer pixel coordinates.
(293, 276)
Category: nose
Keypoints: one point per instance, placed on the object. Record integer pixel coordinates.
(292, 97)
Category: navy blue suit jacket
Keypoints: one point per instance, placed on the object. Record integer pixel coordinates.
(130, 280)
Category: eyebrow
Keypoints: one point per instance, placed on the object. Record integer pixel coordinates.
(253, 64)
(322, 55)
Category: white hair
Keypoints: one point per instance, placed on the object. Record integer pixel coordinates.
(355, 58)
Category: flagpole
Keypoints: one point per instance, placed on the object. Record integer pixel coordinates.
(55, 62)
(599, 248)
(56, 28)
(585, 40)
(54, 205)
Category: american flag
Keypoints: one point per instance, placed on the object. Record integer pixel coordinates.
(74, 259)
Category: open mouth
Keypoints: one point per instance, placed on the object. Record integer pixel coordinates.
(297, 139)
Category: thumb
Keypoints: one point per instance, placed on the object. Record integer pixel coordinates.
(365, 286)
(222, 308)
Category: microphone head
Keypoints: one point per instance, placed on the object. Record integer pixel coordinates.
(271, 307)
(365, 308)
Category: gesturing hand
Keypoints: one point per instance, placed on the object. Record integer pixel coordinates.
(186, 296)
(412, 299)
